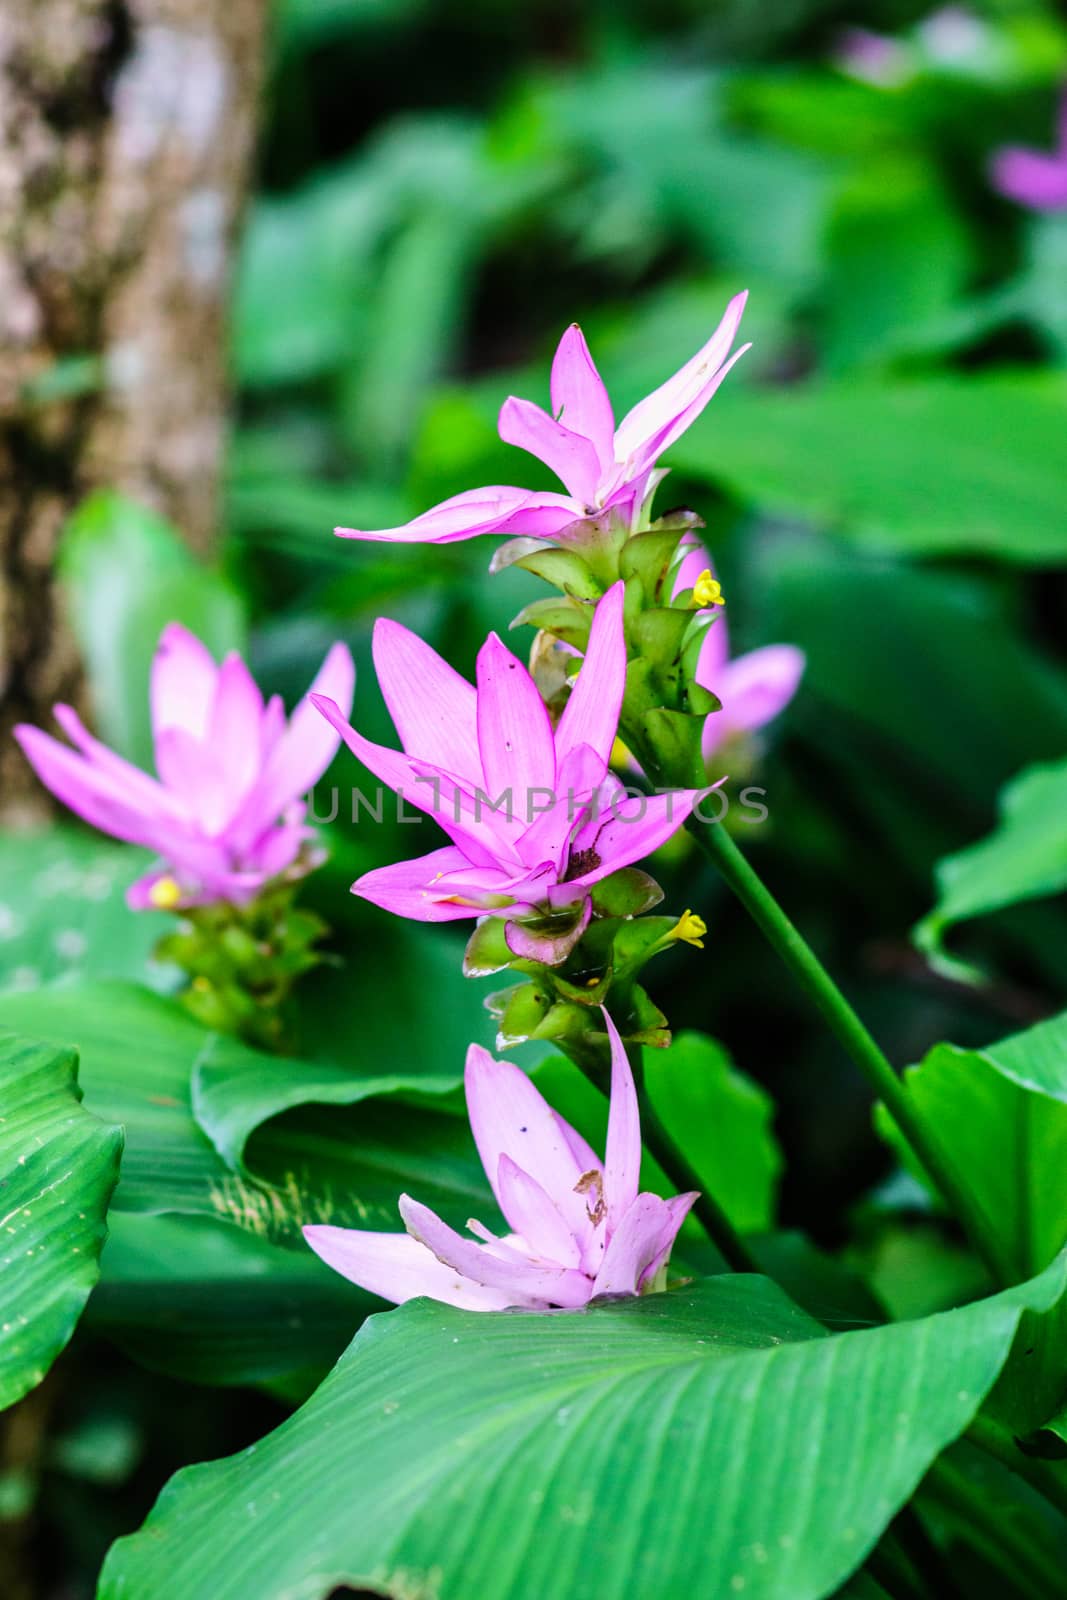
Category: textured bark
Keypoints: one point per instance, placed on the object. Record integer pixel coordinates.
(126, 134)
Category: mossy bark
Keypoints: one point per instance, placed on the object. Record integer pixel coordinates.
(126, 134)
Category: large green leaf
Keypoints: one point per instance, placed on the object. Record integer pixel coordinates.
(58, 1165)
(722, 1119)
(710, 1441)
(127, 574)
(943, 465)
(64, 916)
(1023, 858)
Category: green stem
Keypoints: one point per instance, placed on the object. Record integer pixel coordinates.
(806, 967)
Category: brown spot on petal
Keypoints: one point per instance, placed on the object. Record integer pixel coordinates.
(593, 1183)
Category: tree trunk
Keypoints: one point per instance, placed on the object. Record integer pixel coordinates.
(126, 134)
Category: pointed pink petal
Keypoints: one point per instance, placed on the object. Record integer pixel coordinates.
(632, 828)
(514, 731)
(498, 509)
(196, 772)
(655, 422)
(570, 456)
(433, 709)
(508, 1116)
(678, 1207)
(547, 838)
(406, 888)
(234, 728)
(1031, 178)
(635, 1244)
(183, 682)
(531, 1213)
(580, 1148)
(579, 399)
(144, 792)
(756, 687)
(591, 715)
(714, 655)
(622, 1153)
(308, 745)
(396, 1267)
(93, 794)
(523, 1282)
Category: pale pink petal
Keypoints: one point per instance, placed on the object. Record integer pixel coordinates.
(514, 731)
(434, 710)
(532, 1213)
(579, 399)
(498, 509)
(622, 1153)
(633, 1247)
(591, 715)
(525, 1283)
(234, 728)
(1031, 178)
(657, 420)
(570, 456)
(183, 682)
(509, 1116)
(756, 687)
(143, 791)
(93, 794)
(406, 888)
(714, 655)
(678, 1207)
(580, 773)
(308, 745)
(397, 1267)
(196, 772)
(630, 829)
(579, 1147)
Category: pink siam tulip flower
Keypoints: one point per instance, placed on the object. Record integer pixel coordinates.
(581, 1228)
(226, 813)
(753, 688)
(534, 816)
(1035, 178)
(604, 468)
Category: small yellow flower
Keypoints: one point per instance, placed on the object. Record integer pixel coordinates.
(707, 591)
(690, 929)
(165, 894)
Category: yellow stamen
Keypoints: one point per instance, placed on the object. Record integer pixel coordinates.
(707, 591)
(165, 894)
(690, 929)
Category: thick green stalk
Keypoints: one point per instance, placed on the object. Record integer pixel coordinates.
(813, 977)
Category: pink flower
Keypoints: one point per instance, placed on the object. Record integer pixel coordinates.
(532, 812)
(225, 814)
(580, 1226)
(753, 688)
(603, 468)
(1035, 178)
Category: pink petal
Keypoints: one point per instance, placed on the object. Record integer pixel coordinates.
(514, 731)
(396, 1267)
(579, 399)
(525, 1283)
(659, 419)
(631, 829)
(1031, 178)
(183, 682)
(591, 715)
(757, 686)
(499, 509)
(308, 745)
(93, 794)
(635, 1245)
(406, 887)
(547, 838)
(508, 1116)
(433, 709)
(144, 792)
(531, 1213)
(235, 726)
(678, 1206)
(196, 772)
(622, 1154)
(570, 456)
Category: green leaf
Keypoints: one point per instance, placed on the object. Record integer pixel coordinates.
(63, 916)
(58, 1166)
(127, 574)
(723, 1122)
(523, 1454)
(919, 467)
(1024, 858)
